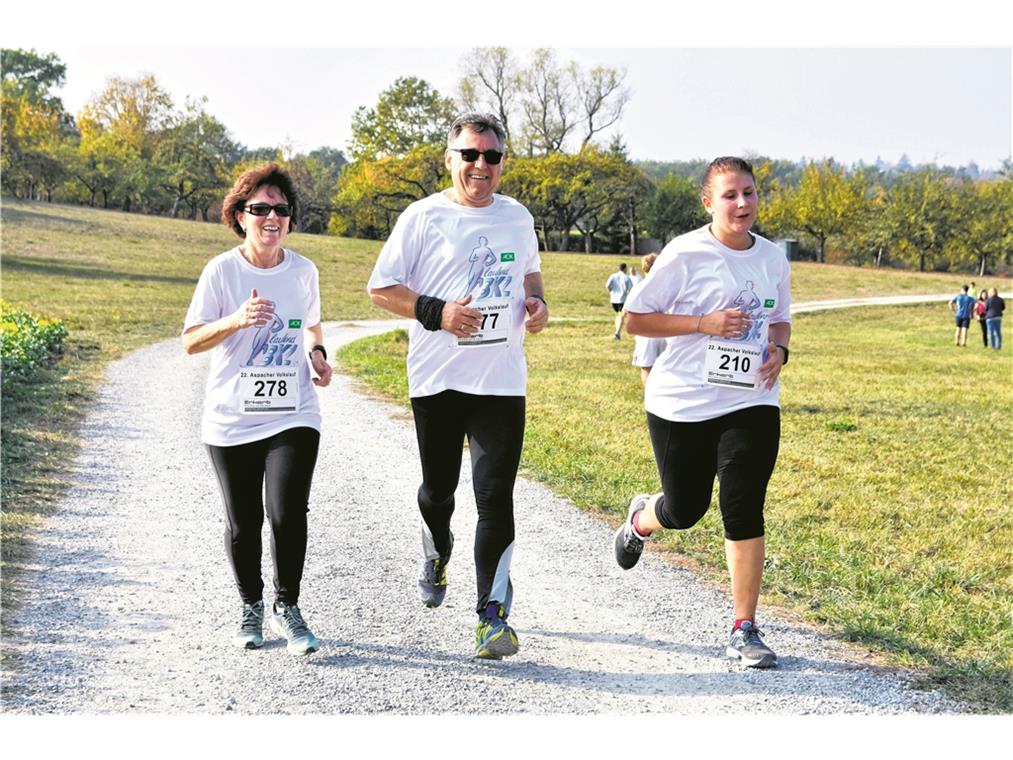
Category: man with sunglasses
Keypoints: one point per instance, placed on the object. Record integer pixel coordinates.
(464, 263)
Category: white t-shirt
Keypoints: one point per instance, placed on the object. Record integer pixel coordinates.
(695, 274)
(443, 249)
(245, 400)
(618, 285)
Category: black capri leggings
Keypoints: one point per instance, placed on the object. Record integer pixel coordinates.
(740, 448)
(280, 467)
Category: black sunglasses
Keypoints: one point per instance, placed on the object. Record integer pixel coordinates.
(263, 209)
(492, 157)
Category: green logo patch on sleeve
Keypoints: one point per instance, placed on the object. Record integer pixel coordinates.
(294, 323)
(768, 304)
(506, 256)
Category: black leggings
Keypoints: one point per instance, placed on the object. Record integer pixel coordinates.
(494, 426)
(740, 448)
(282, 468)
(984, 332)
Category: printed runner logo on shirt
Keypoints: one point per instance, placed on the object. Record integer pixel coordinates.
(269, 381)
(489, 281)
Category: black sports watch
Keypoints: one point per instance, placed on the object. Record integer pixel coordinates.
(785, 349)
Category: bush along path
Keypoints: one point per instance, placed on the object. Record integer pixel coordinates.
(129, 606)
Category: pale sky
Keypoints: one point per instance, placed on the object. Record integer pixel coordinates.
(860, 96)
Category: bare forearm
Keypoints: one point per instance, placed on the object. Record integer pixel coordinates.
(779, 333)
(656, 325)
(205, 337)
(396, 299)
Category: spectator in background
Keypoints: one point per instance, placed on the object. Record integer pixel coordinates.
(634, 277)
(979, 313)
(962, 305)
(994, 308)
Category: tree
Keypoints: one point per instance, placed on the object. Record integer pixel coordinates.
(195, 153)
(985, 238)
(824, 204)
(408, 114)
(542, 103)
(371, 194)
(316, 179)
(120, 131)
(491, 83)
(674, 208)
(920, 216)
(588, 191)
(35, 128)
(602, 97)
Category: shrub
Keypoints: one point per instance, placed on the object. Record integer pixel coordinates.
(27, 341)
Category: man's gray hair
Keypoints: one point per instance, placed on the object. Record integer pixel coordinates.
(476, 122)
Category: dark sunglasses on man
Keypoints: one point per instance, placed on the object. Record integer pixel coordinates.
(492, 157)
(263, 209)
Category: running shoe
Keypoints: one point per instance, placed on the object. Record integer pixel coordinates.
(746, 646)
(629, 546)
(494, 639)
(287, 621)
(433, 583)
(251, 631)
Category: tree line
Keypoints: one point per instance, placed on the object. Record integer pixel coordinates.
(131, 148)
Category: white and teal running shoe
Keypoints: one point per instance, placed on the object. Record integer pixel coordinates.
(287, 621)
(251, 631)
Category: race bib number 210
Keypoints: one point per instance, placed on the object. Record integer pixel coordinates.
(734, 365)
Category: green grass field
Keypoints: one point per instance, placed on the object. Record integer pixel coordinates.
(888, 515)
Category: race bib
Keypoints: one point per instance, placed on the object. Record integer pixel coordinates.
(268, 390)
(495, 328)
(735, 365)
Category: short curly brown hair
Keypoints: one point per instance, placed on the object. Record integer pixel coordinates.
(267, 174)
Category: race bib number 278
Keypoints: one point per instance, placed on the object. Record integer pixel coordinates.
(268, 390)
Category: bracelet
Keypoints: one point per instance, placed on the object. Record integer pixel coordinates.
(319, 348)
(699, 321)
(429, 312)
(785, 349)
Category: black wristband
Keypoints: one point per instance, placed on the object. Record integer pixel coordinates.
(785, 349)
(429, 312)
(535, 295)
(319, 348)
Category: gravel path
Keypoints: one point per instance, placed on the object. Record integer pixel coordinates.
(129, 605)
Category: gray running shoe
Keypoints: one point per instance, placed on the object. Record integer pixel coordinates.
(746, 646)
(287, 621)
(433, 583)
(251, 631)
(494, 639)
(629, 546)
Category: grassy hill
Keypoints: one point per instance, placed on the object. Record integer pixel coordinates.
(889, 513)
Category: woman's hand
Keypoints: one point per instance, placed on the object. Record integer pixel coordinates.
(322, 368)
(726, 323)
(770, 370)
(254, 311)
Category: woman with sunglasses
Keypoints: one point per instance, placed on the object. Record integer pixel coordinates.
(720, 295)
(257, 308)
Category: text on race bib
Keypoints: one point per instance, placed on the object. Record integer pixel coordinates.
(268, 390)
